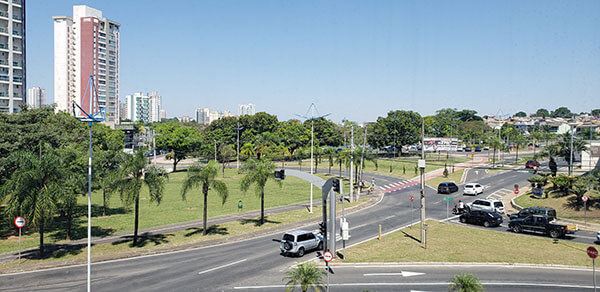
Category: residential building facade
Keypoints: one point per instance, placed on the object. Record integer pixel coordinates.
(36, 97)
(85, 45)
(246, 109)
(143, 107)
(202, 116)
(12, 55)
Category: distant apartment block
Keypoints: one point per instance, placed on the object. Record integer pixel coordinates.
(246, 109)
(122, 111)
(36, 97)
(206, 116)
(144, 107)
(185, 119)
(12, 55)
(85, 45)
(163, 114)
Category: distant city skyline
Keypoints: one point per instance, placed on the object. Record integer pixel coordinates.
(353, 59)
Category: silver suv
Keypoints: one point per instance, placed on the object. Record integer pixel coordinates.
(299, 241)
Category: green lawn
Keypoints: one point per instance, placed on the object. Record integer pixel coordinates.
(565, 206)
(174, 239)
(453, 177)
(448, 242)
(171, 210)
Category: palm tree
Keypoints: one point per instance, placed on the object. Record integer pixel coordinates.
(519, 140)
(465, 283)
(306, 275)
(330, 153)
(136, 173)
(258, 172)
(204, 176)
(495, 143)
(34, 187)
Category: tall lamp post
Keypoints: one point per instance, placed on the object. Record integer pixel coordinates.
(238, 144)
(90, 117)
(312, 108)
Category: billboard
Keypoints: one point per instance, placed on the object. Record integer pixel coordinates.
(440, 144)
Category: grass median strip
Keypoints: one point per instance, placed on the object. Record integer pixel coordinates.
(566, 207)
(447, 242)
(123, 248)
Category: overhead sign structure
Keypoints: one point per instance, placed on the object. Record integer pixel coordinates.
(327, 256)
(20, 222)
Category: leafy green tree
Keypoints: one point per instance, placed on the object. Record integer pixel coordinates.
(306, 275)
(518, 141)
(293, 134)
(596, 112)
(520, 114)
(34, 187)
(258, 172)
(204, 176)
(181, 140)
(226, 152)
(398, 128)
(330, 153)
(496, 144)
(248, 150)
(326, 132)
(135, 173)
(465, 283)
(561, 112)
(543, 113)
(107, 155)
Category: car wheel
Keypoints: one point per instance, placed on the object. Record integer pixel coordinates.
(486, 224)
(301, 252)
(517, 229)
(463, 220)
(320, 246)
(554, 234)
(287, 246)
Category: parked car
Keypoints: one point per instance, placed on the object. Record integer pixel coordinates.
(551, 213)
(298, 242)
(486, 147)
(473, 189)
(447, 188)
(538, 224)
(598, 236)
(487, 204)
(468, 149)
(477, 148)
(486, 218)
(459, 149)
(531, 164)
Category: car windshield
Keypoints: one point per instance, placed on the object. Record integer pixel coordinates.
(468, 186)
(288, 237)
(498, 204)
(552, 213)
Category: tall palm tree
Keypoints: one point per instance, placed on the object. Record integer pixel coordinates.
(306, 275)
(518, 141)
(135, 174)
(465, 283)
(495, 143)
(258, 172)
(198, 175)
(34, 187)
(330, 152)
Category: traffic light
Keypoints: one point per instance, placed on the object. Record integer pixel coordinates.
(323, 228)
(336, 185)
(280, 174)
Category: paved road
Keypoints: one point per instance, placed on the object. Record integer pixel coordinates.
(248, 263)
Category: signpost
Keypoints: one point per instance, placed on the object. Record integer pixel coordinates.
(592, 252)
(328, 257)
(20, 223)
(448, 199)
(584, 199)
(412, 209)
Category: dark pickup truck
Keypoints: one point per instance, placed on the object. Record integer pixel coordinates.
(538, 224)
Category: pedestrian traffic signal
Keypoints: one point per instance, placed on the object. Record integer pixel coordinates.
(336, 185)
(280, 174)
(323, 228)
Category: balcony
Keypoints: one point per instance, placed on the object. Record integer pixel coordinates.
(17, 2)
(18, 79)
(17, 33)
(3, 94)
(16, 17)
(4, 78)
(4, 14)
(4, 62)
(15, 64)
(15, 49)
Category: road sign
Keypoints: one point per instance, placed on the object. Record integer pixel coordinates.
(20, 222)
(411, 198)
(516, 191)
(592, 252)
(448, 199)
(327, 256)
(584, 198)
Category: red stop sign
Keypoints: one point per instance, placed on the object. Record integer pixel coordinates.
(516, 191)
(592, 252)
(411, 198)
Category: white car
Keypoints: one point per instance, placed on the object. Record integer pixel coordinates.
(473, 189)
(487, 204)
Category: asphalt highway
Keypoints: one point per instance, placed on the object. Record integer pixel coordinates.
(257, 262)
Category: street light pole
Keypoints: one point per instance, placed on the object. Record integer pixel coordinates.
(351, 163)
(571, 152)
(422, 180)
(312, 138)
(238, 146)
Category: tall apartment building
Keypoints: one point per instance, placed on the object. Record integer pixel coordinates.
(85, 45)
(36, 97)
(163, 114)
(12, 55)
(246, 109)
(202, 116)
(143, 107)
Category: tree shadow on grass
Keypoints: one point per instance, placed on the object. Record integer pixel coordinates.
(213, 229)
(256, 221)
(54, 251)
(144, 239)
(79, 231)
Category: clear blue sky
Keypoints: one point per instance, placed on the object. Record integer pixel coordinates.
(354, 59)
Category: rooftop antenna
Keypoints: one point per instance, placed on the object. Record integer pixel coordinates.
(312, 109)
(92, 113)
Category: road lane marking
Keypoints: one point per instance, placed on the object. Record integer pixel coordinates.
(548, 285)
(402, 273)
(220, 267)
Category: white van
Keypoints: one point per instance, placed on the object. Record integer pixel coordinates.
(487, 204)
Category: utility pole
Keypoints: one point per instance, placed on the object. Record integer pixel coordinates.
(154, 146)
(362, 155)
(571, 152)
(215, 150)
(351, 163)
(422, 167)
(238, 145)
(312, 145)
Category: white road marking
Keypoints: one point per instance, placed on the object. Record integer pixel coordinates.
(388, 217)
(403, 274)
(220, 267)
(558, 285)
